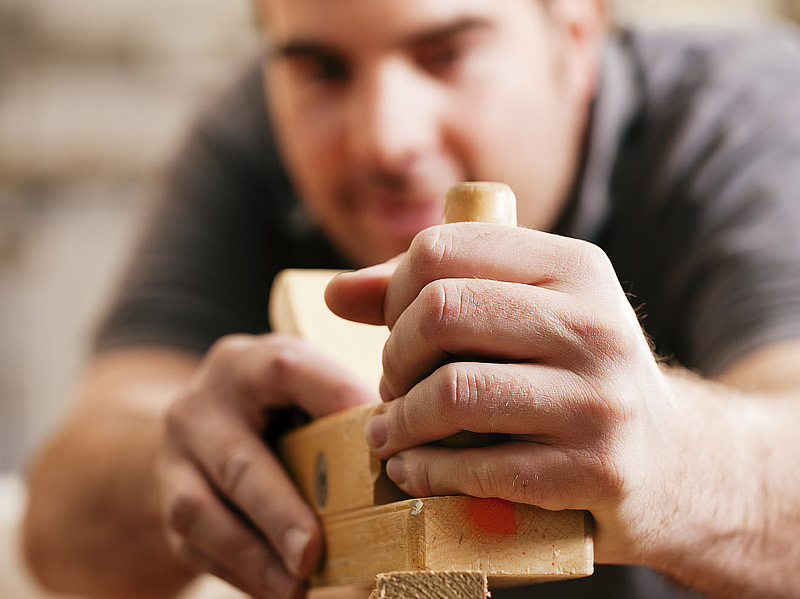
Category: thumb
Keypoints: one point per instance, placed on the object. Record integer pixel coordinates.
(359, 295)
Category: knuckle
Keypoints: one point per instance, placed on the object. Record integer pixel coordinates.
(419, 480)
(443, 304)
(430, 250)
(182, 512)
(595, 332)
(603, 475)
(229, 347)
(457, 391)
(287, 361)
(523, 488)
(233, 467)
(180, 414)
(591, 260)
(601, 409)
(602, 338)
(402, 421)
(482, 480)
(584, 263)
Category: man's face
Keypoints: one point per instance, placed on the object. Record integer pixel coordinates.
(380, 105)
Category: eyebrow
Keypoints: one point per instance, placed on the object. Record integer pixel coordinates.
(448, 29)
(300, 48)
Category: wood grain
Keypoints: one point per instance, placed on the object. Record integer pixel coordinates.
(431, 585)
(508, 542)
(480, 201)
(334, 467)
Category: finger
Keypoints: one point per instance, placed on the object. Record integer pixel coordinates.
(272, 587)
(212, 538)
(535, 474)
(359, 295)
(487, 320)
(545, 404)
(310, 379)
(219, 424)
(242, 470)
(488, 251)
(281, 371)
(204, 564)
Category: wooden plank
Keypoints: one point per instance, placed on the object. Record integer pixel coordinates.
(431, 585)
(421, 584)
(508, 542)
(333, 465)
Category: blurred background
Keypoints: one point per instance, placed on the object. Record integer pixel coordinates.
(94, 95)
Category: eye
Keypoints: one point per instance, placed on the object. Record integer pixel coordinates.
(446, 54)
(326, 69)
(312, 65)
(442, 57)
(320, 69)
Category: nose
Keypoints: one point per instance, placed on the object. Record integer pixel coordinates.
(393, 119)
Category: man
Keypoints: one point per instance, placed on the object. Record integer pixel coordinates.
(677, 154)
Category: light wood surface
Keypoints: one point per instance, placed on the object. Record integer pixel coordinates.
(511, 543)
(480, 201)
(333, 465)
(431, 585)
(297, 306)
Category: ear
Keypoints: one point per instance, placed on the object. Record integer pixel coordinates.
(583, 25)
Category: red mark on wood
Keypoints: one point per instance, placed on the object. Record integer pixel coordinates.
(492, 515)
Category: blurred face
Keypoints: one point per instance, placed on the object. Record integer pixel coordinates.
(380, 105)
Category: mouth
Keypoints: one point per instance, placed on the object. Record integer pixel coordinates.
(403, 219)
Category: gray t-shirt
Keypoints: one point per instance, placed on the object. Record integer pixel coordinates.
(690, 182)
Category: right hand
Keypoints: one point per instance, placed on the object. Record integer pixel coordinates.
(229, 506)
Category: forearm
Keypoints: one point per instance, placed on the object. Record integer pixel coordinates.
(735, 519)
(93, 526)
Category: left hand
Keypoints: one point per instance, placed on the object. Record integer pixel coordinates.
(509, 330)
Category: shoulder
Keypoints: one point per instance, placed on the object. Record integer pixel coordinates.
(229, 152)
(704, 189)
(672, 61)
(232, 123)
(711, 101)
(702, 90)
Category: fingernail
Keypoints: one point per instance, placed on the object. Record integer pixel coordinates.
(382, 268)
(377, 431)
(396, 470)
(295, 542)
